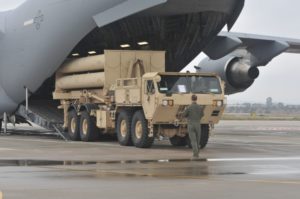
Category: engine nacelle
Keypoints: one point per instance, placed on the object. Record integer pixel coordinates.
(234, 71)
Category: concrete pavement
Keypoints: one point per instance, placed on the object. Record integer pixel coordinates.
(244, 159)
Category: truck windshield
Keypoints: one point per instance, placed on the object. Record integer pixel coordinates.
(189, 84)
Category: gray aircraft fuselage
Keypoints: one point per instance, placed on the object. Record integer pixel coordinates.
(38, 36)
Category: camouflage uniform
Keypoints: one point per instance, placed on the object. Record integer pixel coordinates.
(194, 113)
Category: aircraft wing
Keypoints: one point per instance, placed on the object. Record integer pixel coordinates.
(262, 49)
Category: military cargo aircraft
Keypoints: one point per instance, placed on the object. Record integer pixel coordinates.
(37, 36)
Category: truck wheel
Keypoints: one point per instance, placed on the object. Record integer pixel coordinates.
(73, 125)
(140, 132)
(88, 128)
(123, 128)
(204, 135)
(178, 141)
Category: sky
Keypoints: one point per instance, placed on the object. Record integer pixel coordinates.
(279, 79)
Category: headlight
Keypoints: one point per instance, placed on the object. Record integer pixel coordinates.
(168, 102)
(165, 102)
(218, 103)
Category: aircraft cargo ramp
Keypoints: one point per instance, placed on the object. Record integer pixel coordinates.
(44, 113)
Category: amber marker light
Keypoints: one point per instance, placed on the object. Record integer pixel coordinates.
(171, 102)
(218, 103)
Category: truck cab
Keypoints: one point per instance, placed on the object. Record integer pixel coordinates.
(166, 94)
(162, 98)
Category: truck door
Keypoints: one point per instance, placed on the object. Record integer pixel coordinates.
(149, 98)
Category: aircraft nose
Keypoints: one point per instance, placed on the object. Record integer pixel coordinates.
(6, 103)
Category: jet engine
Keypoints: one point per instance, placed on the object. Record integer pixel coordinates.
(236, 72)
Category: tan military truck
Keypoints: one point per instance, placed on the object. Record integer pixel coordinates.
(130, 94)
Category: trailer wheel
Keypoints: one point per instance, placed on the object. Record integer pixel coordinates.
(204, 137)
(88, 128)
(178, 141)
(73, 125)
(124, 127)
(140, 132)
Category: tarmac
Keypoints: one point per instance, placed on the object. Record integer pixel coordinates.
(244, 159)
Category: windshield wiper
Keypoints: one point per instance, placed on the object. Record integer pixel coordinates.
(204, 92)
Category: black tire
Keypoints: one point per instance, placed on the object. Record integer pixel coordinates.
(178, 141)
(73, 125)
(0, 126)
(124, 128)
(88, 129)
(139, 131)
(204, 135)
(188, 141)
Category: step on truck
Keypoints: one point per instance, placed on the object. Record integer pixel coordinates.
(128, 93)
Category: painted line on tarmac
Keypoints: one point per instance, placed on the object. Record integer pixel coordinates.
(275, 172)
(253, 143)
(253, 159)
(275, 182)
(7, 149)
(22, 162)
(166, 161)
(163, 161)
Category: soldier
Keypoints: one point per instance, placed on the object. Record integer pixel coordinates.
(194, 113)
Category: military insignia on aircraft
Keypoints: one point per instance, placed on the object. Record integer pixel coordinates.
(38, 20)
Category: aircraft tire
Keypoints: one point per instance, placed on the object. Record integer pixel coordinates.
(178, 141)
(124, 127)
(140, 132)
(88, 129)
(73, 125)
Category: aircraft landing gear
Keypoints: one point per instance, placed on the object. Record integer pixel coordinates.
(4, 120)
